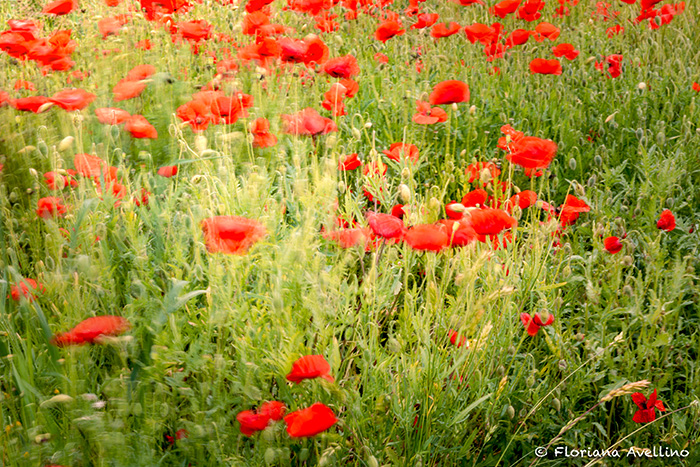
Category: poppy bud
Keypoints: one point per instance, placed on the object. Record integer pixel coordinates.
(563, 365)
(591, 181)
(598, 160)
(669, 202)
(472, 110)
(356, 133)
(33, 173)
(485, 176)
(368, 125)
(501, 370)
(530, 381)
(642, 86)
(270, 456)
(454, 107)
(341, 187)
(522, 413)
(200, 143)
(510, 411)
(627, 261)
(42, 148)
(572, 163)
(556, 404)
(372, 461)
(404, 193)
(627, 290)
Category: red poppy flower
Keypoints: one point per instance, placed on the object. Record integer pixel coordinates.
(442, 30)
(126, 89)
(449, 92)
(456, 339)
(571, 209)
(398, 151)
(615, 30)
(388, 29)
(504, 8)
(474, 171)
(33, 104)
(167, 171)
(488, 221)
(646, 412)
(139, 127)
(385, 225)
(534, 323)
(696, 87)
(23, 84)
(179, 434)
(252, 421)
(50, 207)
(307, 122)
(349, 238)
(545, 67)
(460, 232)
(546, 30)
(88, 331)
(518, 37)
(381, 58)
(349, 162)
(310, 421)
(428, 115)
(475, 198)
(667, 221)
(112, 115)
(262, 138)
(342, 67)
(60, 7)
(72, 99)
(93, 167)
(309, 367)
(140, 72)
(231, 234)
(26, 289)
(612, 244)
(194, 31)
(425, 20)
(427, 237)
(484, 34)
(565, 50)
(197, 114)
(531, 152)
(530, 10)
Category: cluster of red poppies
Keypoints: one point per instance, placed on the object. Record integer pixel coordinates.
(301, 423)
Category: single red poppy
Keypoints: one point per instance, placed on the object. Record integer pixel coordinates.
(546, 30)
(504, 8)
(388, 29)
(530, 10)
(88, 331)
(139, 127)
(27, 289)
(308, 122)
(342, 67)
(612, 244)
(475, 199)
(231, 234)
(111, 115)
(460, 232)
(167, 171)
(126, 89)
(518, 37)
(565, 50)
(60, 7)
(442, 30)
(349, 238)
(545, 67)
(262, 138)
(349, 162)
(310, 421)
(534, 323)
(524, 200)
(428, 115)
(33, 104)
(257, 420)
(140, 72)
(456, 339)
(571, 209)
(309, 367)
(531, 152)
(647, 408)
(696, 86)
(399, 151)
(427, 237)
(50, 206)
(667, 221)
(488, 221)
(385, 225)
(72, 99)
(425, 20)
(449, 92)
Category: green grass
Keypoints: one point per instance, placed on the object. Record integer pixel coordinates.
(214, 335)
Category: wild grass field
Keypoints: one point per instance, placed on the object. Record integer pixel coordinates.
(315, 232)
